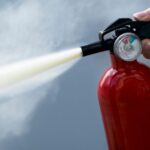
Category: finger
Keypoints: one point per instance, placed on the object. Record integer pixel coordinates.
(143, 15)
(146, 48)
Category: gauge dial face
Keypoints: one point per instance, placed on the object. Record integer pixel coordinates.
(128, 47)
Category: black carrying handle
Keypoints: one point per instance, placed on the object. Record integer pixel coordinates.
(142, 28)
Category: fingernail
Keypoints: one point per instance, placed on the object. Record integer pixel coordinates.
(140, 14)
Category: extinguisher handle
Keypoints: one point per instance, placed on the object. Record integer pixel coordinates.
(120, 26)
(143, 29)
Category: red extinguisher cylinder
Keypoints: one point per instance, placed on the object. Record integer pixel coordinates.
(124, 98)
(124, 89)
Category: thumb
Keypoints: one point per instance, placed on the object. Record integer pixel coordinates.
(143, 15)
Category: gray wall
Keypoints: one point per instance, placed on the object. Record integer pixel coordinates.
(69, 118)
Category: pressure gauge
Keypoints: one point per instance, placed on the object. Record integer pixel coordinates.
(127, 47)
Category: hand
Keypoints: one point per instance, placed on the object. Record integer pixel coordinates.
(144, 16)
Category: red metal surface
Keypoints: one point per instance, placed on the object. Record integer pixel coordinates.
(124, 97)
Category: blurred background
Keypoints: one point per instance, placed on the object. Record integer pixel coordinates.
(57, 110)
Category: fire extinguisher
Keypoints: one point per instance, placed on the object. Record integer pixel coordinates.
(124, 89)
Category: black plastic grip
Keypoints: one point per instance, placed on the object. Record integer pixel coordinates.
(143, 29)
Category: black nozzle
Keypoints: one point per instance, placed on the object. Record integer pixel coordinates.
(92, 48)
(97, 47)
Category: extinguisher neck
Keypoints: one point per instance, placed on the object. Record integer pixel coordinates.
(117, 63)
